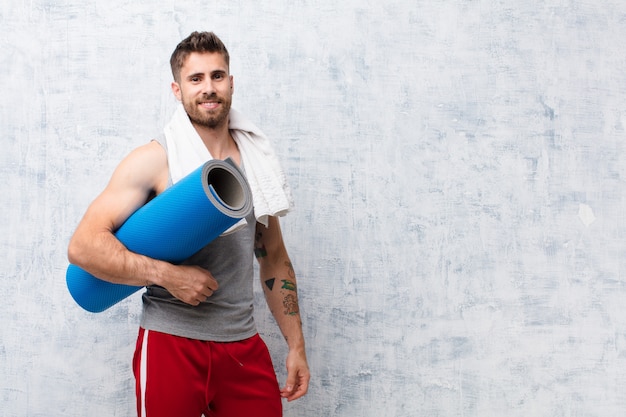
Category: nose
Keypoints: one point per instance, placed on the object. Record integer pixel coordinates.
(208, 88)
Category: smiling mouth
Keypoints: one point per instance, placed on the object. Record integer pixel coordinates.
(209, 104)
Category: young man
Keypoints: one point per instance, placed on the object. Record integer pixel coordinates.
(198, 351)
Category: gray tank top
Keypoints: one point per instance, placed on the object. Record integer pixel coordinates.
(227, 315)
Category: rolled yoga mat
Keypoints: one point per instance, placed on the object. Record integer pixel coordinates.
(171, 227)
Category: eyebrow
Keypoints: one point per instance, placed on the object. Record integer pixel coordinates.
(201, 74)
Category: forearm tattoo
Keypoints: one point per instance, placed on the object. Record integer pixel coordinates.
(290, 270)
(269, 283)
(288, 285)
(290, 302)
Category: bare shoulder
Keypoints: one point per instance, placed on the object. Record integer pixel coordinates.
(144, 168)
(139, 175)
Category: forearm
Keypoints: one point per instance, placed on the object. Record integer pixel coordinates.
(105, 257)
(281, 293)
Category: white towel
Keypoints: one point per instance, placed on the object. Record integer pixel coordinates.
(271, 195)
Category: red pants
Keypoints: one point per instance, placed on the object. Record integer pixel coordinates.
(183, 377)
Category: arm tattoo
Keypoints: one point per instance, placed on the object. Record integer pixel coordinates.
(290, 302)
(270, 283)
(259, 250)
(290, 271)
(288, 285)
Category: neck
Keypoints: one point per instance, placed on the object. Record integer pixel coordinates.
(218, 141)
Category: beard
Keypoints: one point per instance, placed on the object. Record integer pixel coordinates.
(208, 118)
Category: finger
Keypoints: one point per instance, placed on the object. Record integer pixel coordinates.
(298, 391)
(213, 285)
(290, 384)
(296, 386)
(202, 295)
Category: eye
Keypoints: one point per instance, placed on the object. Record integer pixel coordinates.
(219, 76)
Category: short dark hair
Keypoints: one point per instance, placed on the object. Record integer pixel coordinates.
(196, 42)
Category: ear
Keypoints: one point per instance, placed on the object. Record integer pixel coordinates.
(232, 85)
(176, 90)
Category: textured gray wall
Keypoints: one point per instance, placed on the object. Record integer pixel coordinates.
(458, 168)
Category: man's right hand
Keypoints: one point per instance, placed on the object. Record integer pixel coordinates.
(190, 284)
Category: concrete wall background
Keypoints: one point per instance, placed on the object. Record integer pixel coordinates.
(458, 168)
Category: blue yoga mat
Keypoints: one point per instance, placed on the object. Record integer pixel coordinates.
(171, 227)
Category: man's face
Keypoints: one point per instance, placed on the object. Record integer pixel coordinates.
(205, 89)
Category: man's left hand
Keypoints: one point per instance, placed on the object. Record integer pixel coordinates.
(298, 376)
